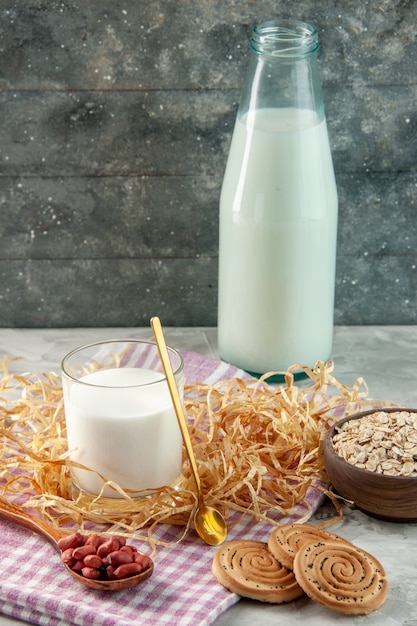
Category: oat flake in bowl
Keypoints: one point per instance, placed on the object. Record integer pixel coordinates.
(371, 459)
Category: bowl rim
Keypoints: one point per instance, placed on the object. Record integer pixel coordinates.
(328, 444)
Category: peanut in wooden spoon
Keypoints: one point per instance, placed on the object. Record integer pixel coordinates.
(17, 515)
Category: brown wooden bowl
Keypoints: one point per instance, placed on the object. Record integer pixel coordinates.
(392, 498)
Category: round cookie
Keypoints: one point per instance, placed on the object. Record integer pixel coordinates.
(285, 541)
(248, 569)
(341, 577)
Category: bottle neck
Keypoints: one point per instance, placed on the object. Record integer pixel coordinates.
(283, 70)
(285, 39)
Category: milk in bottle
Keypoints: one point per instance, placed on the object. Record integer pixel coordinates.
(278, 219)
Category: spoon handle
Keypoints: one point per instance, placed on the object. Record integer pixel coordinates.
(166, 363)
(17, 515)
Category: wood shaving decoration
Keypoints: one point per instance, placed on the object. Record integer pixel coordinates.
(382, 442)
(258, 450)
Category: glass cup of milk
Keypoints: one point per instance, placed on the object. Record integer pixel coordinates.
(120, 420)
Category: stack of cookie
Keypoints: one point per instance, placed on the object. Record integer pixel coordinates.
(298, 559)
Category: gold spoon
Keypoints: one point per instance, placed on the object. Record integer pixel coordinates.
(208, 521)
(16, 514)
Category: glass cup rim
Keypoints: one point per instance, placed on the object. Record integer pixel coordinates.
(102, 342)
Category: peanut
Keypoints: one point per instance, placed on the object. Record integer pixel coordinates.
(143, 560)
(129, 549)
(108, 546)
(92, 560)
(121, 540)
(95, 540)
(78, 565)
(118, 557)
(71, 541)
(82, 551)
(96, 557)
(67, 557)
(127, 570)
(91, 572)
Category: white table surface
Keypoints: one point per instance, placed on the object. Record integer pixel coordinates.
(386, 356)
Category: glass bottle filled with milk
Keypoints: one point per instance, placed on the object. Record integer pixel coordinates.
(278, 210)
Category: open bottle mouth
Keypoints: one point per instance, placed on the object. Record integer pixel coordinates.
(285, 38)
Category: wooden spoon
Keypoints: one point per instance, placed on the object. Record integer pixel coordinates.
(16, 514)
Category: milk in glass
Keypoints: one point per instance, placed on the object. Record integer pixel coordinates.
(121, 423)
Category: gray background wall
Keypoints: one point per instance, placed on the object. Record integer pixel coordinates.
(116, 118)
